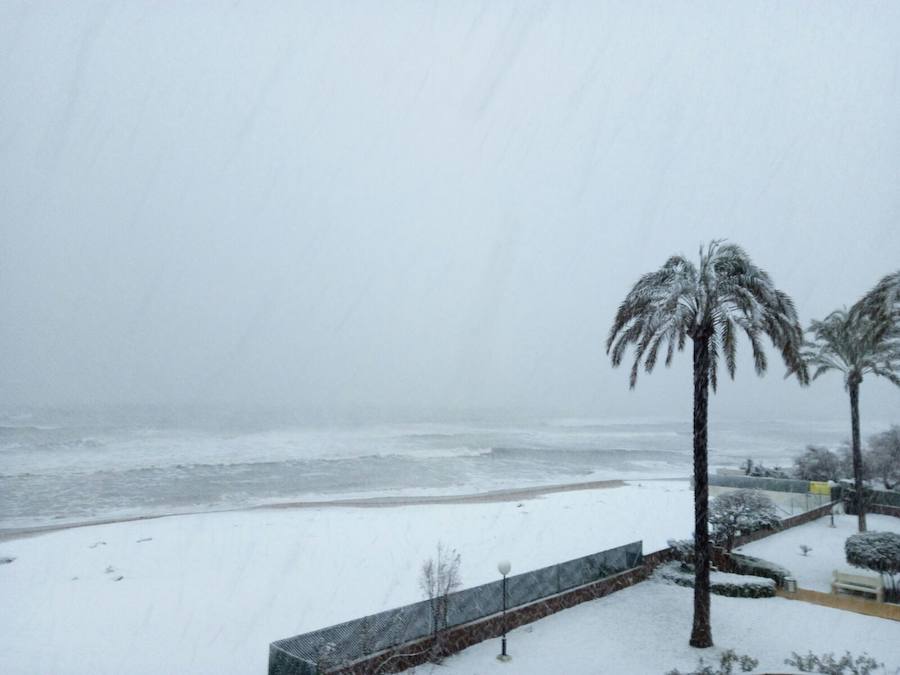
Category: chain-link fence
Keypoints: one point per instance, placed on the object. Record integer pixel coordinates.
(791, 497)
(769, 484)
(321, 650)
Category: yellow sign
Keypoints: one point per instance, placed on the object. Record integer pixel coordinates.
(819, 488)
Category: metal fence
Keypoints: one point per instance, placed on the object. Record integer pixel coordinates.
(771, 484)
(343, 643)
(885, 497)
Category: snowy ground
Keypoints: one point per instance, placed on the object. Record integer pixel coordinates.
(645, 629)
(814, 570)
(208, 593)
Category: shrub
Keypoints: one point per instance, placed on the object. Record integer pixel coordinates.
(740, 511)
(877, 551)
(745, 564)
(683, 551)
(727, 662)
(730, 585)
(439, 577)
(846, 665)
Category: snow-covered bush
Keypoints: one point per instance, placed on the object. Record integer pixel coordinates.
(818, 463)
(727, 662)
(720, 583)
(740, 511)
(845, 665)
(877, 551)
(745, 564)
(683, 551)
(884, 456)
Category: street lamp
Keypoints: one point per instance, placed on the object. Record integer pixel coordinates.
(503, 567)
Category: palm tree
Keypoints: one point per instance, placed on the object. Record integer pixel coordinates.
(710, 304)
(864, 340)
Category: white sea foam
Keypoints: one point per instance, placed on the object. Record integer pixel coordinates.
(85, 468)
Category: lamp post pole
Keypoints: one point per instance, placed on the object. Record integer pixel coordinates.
(503, 567)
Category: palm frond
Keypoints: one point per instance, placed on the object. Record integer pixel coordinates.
(724, 294)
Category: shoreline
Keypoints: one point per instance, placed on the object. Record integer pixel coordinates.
(490, 496)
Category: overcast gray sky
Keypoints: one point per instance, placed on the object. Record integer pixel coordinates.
(425, 205)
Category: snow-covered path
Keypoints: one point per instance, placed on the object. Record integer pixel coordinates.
(645, 629)
(814, 570)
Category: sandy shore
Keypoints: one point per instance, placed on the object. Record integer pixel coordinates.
(491, 496)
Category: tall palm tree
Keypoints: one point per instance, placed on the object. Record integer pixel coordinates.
(864, 340)
(710, 304)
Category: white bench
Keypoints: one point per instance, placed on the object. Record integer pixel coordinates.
(858, 583)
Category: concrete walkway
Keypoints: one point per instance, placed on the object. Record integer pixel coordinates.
(846, 602)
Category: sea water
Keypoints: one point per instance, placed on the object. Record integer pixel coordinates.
(61, 466)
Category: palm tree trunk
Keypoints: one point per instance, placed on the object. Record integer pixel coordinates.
(853, 385)
(701, 634)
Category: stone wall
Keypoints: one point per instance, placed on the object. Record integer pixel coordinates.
(884, 510)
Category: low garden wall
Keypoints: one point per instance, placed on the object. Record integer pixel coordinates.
(786, 524)
(458, 638)
(404, 635)
(884, 510)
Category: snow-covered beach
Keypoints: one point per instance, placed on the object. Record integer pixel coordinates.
(206, 593)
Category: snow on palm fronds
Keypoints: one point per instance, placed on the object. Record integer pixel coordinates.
(853, 344)
(857, 342)
(725, 295)
(883, 301)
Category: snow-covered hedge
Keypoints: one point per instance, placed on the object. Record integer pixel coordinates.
(746, 564)
(720, 583)
(683, 550)
(877, 551)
